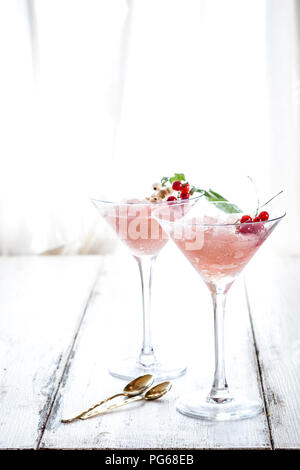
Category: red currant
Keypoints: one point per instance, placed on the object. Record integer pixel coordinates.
(251, 228)
(264, 216)
(246, 219)
(257, 228)
(184, 195)
(172, 198)
(185, 188)
(177, 186)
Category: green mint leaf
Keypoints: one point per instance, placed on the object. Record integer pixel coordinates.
(212, 196)
(164, 180)
(228, 208)
(195, 190)
(171, 179)
(217, 196)
(177, 177)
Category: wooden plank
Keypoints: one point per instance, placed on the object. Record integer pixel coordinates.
(182, 321)
(42, 301)
(274, 298)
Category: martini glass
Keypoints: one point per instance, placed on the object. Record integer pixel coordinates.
(135, 225)
(219, 248)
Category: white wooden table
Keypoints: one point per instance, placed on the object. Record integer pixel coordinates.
(64, 318)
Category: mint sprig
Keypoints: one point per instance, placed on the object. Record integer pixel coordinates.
(176, 177)
(211, 196)
(216, 198)
(164, 180)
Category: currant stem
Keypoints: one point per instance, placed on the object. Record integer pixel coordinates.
(271, 199)
(255, 214)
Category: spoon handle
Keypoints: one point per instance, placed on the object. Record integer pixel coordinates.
(112, 407)
(70, 420)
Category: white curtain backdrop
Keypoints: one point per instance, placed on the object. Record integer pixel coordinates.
(93, 92)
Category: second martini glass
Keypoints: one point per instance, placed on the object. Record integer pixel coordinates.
(134, 224)
(219, 247)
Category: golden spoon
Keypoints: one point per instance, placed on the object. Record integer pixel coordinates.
(153, 394)
(133, 388)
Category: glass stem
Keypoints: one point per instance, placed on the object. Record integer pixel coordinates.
(147, 357)
(219, 392)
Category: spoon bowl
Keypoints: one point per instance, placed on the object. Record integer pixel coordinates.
(158, 391)
(153, 394)
(138, 385)
(132, 389)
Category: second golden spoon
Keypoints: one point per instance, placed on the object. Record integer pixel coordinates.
(153, 394)
(132, 389)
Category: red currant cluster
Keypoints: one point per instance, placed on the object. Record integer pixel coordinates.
(183, 188)
(262, 217)
(247, 219)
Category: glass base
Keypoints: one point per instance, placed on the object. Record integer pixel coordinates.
(130, 369)
(197, 406)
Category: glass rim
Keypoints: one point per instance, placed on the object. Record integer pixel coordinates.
(215, 203)
(148, 203)
(239, 224)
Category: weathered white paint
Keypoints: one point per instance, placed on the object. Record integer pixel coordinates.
(182, 320)
(42, 303)
(274, 298)
(42, 300)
